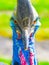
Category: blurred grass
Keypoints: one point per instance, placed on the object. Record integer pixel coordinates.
(5, 29)
(42, 34)
(42, 7)
(7, 4)
(8, 61)
(43, 63)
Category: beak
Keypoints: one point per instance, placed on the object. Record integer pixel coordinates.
(26, 39)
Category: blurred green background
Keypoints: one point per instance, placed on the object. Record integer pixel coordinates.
(42, 7)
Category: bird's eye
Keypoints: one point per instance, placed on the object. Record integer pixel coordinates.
(15, 21)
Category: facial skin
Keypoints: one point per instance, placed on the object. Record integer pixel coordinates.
(24, 17)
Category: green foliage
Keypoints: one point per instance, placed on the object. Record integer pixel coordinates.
(7, 4)
(43, 63)
(6, 61)
(5, 25)
(4, 20)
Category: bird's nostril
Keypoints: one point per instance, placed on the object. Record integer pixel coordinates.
(25, 28)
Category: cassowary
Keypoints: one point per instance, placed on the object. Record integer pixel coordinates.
(24, 23)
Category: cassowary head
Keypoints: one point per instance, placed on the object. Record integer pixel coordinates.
(24, 18)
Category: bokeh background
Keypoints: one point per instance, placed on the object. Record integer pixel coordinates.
(42, 35)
